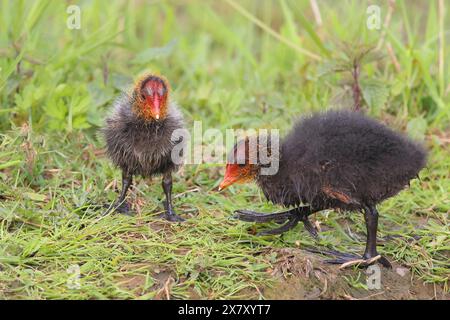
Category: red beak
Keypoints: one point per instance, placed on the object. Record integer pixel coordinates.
(226, 183)
(228, 179)
(155, 105)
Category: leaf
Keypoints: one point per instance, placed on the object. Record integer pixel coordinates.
(80, 105)
(80, 122)
(154, 53)
(310, 29)
(375, 93)
(31, 247)
(431, 84)
(121, 82)
(25, 100)
(335, 65)
(56, 109)
(9, 164)
(95, 118)
(34, 15)
(99, 95)
(35, 196)
(398, 87)
(342, 98)
(372, 56)
(416, 128)
(290, 24)
(360, 53)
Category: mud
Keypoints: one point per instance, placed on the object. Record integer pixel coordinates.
(163, 281)
(302, 275)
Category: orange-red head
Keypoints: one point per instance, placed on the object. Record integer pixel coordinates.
(241, 167)
(151, 97)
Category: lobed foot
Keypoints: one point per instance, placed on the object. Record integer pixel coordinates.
(349, 259)
(360, 262)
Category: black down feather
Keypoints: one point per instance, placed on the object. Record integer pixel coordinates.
(137, 146)
(342, 159)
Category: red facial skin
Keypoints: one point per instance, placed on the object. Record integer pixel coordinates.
(152, 100)
(235, 173)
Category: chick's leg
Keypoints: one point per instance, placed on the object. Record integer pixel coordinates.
(370, 254)
(371, 218)
(121, 205)
(170, 214)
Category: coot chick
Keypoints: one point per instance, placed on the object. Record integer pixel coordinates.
(335, 159)
(138, 137)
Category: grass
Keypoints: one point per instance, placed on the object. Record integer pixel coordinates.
(227, 62)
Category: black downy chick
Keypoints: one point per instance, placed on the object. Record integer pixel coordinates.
(336, 159)
(138, 137)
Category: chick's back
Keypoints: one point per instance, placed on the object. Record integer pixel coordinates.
(353, 154)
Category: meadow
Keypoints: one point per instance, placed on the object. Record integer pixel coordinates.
(231, 64)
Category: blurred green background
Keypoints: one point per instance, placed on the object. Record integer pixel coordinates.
(223, 66)
(231, 64)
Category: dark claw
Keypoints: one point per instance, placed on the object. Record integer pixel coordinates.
(310, 228)
(335, 261)
(288, 226)
(341, 255)
(385, 262)
(362, 264)
(342, 260)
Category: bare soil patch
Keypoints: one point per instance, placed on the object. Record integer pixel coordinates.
(302, 275)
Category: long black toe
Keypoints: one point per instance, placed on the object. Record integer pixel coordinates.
(251, 216)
